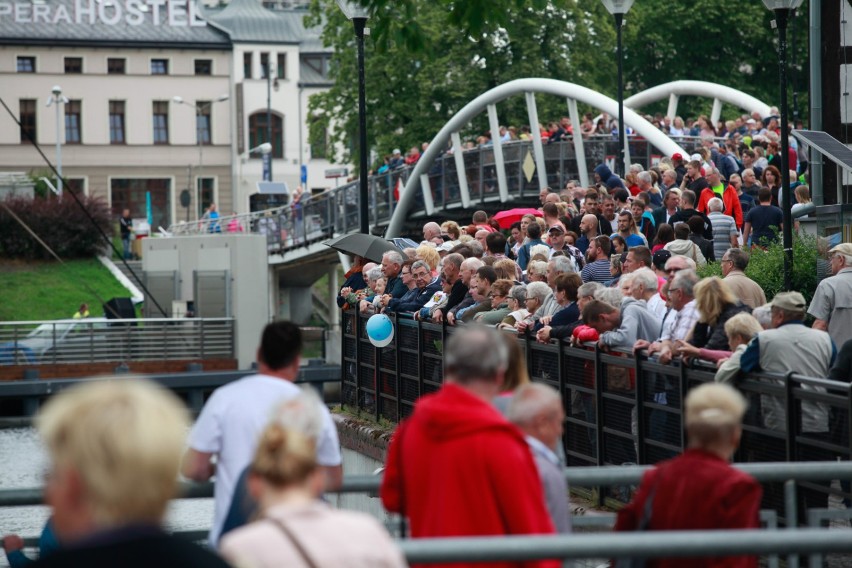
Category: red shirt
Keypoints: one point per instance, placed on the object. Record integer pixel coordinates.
(696, 491)
(456, 467)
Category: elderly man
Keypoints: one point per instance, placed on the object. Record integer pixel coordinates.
(426, 285)
(466, 274)
(455, 439)
(432, 233)
(480, 289)
(646, 184)
(832, 302)
(678, 326)
(537, 410)
(724, 228)
(556, 266)
(669, 181)
(480, 238)
(114, 448)
(597, 265)
(734, 262)
(643, 286)
(451, 268)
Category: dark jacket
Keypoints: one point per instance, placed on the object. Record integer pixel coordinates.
(457, 294)
(355, 282)
(684, 215)
(714, 338)
(705, 246)
(395, 287)
(659, 215)
(419, 300)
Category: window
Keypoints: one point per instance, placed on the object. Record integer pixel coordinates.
(27, 114)
(248, 61)
(116, 66)
(72, 122)
(73, 65)
(131, 193)
(318, 63)
(264, 65)
(258, 133)
(161, 122)
(202, 122)
(116, 122)
(26, 64)
(159, 67)
(75, 185)
(282, 65)
(205, 186)
(203, 66)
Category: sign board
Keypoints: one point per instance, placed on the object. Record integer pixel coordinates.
(333, 173)
(272, 188)
(267, 166)
(173, 13)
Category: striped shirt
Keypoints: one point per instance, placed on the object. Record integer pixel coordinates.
(724, 227)
(597, 271)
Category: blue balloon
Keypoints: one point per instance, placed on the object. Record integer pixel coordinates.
(380, 330)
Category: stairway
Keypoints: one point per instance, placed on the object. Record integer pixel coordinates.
(136, 265)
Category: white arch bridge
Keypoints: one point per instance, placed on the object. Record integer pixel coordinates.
(500, 175)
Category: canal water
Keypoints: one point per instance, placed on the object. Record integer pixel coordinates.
(23, 463)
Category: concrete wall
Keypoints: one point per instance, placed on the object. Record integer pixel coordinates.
(244, 256)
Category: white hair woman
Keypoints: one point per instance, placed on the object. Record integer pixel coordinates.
(295, 528)
(699, 490)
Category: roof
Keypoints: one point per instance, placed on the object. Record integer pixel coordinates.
(59, 23)
(247, 21)
(310, 77)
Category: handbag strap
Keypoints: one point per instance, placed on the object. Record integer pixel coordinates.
(297, 544)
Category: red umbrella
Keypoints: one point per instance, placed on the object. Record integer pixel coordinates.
(507, 218)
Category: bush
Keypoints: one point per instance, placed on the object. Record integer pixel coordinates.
(766, 267)
(60, 223)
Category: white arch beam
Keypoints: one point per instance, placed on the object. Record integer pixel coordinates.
(700, 89)
(518, 87)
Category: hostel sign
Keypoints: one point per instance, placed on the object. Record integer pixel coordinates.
(177, 13)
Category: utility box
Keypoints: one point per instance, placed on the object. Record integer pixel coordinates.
(219, 275)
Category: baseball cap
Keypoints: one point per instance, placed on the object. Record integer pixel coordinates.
(842, 248)
(660, 258)
(751, 121)
(792, 301)
(556, 227)
(397, 151)
(677, 156)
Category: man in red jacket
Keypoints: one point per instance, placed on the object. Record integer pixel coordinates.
(727, 193)
(456, 467)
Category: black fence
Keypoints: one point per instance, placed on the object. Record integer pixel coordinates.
(621, 408)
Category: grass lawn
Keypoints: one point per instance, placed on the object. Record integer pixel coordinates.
(46, 290)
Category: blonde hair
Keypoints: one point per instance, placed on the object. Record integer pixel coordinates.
(540, 249)
(712, 412)
(506, 268)
(125, 438)
(452, 229)
(286, 452)
(429, 255)
(711, 297)
(743, 325)
(537, 267)
(516, 373)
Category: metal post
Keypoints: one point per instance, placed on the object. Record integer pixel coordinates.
(360, 24)
(781, 16)
(199, 184)
(619, 164)
(815, 97)
(57, 100)
(271, 153)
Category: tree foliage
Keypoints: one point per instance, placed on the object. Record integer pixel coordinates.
(426, 59)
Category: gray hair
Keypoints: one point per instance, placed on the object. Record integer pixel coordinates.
(394, 256)
(563, 264)
(714, 171)
(374, 273)
(636, 168)
(763, 314)
(472, 263)
(538, 290)
(475, 353)
(539, 249)
(588, 289)
(716, 204)
(645, 177)
(685, 280)
(530, 401)
(420, 264)
(738, 257)
(611, 296)
(646, 277)
(455, 259)
(519, 293)
(302, 413)
(476, 248)
(537, 267)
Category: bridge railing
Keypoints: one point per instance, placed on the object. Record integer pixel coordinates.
(336, 211)
(102, 340)
(621, 408)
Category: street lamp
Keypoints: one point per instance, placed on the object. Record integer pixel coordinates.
(358, 14)
(782, 9)
(58, 99)
(267, 156)
(200, 107)
(618, 8)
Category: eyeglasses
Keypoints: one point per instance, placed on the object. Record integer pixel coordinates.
(404, 273)
(726, 260)
(420, 274)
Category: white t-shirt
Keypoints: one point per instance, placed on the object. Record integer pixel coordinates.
(230, 425)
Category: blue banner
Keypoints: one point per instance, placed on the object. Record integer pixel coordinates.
(267, 166)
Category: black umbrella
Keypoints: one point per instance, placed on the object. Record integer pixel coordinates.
(368, 246)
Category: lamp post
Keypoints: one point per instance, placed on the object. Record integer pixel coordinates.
(358, 15)
(267, 156)
(57, 99)
(782, 9)
(200, 107)
(618, 8)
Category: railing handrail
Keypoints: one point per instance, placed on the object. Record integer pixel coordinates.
(96, 320)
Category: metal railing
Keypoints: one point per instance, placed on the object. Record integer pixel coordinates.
(621, 408)
(336, 211)
(105, 340)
